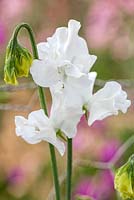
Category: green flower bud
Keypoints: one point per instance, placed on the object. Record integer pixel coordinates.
(17, 62)
(124, 180)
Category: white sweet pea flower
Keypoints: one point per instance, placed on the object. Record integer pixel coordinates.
(107, 101)
(64, 56)
(37, 128)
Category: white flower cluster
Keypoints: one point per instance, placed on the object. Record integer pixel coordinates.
(64, 66)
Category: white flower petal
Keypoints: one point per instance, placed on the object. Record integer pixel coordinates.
(60, 146)
(73, 71)
(43, 50)
(85, 62)
(120, 102)
(61, 36)
(43, 73)
(107, 101)
(92, 78)
(39, 119)
(77, 91)
(53, 48)
(75, 45)
(71, 120)
(63, 117)
(22, 127)
(37, 128)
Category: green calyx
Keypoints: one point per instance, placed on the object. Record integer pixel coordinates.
(124, 180)
(84, 108)
(61, 135)
(17, 62)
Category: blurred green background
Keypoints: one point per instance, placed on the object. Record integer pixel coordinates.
(108, 27)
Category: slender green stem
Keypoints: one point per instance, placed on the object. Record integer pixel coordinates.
(69, 168)
(55, 172)
(42, 99)
(31, 35)
(42, 103)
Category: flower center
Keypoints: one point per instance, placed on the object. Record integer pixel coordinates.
(62, 74)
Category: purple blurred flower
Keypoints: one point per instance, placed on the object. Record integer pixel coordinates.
(105, 185)
(99, 126)
(102, 26)
(108, 150)
(86, 136)
(15, 176)
(84, 188)
(99, 187)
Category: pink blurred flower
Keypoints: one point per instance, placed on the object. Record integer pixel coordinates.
(99, 187)
(99, 126)
(82, 140)
(108, 150)
(122, 47)
(102, 23)
(15, 176)
(127, 6)
(85, 139)
(12, 12)
(104, 185)
(107, 27)
(84, 188)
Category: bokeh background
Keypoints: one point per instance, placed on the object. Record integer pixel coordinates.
(108, 27)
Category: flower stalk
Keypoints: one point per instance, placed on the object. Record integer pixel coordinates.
(69, 168)
(42, 103)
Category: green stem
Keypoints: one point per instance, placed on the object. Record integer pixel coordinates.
(31, 35)
(42, 103)
(69, 168)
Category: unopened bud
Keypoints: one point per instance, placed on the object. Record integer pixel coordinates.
(17, 62)
(124, 180)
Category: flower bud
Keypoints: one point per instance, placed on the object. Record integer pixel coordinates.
(17, 62)
(124, 180)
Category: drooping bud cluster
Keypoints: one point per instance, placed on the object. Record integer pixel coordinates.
(124, 180)
(17, 62)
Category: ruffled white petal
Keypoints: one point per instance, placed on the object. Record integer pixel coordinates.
(77, 91)
(44, 74)
(43, 50)
(85, 62)
(37, 128)
(75, 45)
(73, 71)
(107, 101)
